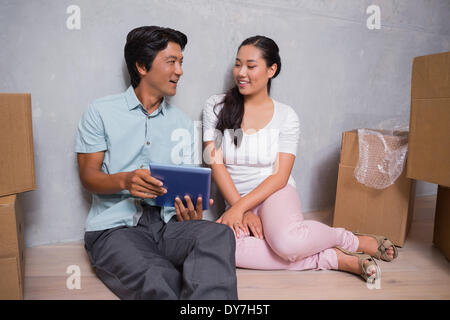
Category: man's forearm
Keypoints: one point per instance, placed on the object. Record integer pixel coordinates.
(99, 182)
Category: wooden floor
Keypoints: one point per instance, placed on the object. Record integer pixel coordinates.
(420, 272)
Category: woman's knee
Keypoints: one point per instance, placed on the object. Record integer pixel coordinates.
(282, 194)
(291, 245)
(282, 208)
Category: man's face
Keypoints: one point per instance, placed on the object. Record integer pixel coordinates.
(165, 72)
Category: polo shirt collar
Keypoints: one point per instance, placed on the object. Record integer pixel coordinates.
(133, 102)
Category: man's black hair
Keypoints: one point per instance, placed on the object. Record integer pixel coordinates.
(144, 43)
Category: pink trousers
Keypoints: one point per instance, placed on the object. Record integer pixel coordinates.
(290, 242)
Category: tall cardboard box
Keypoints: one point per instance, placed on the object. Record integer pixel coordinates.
(11, 249)
(359, 208)
(429, 133)
(16, 144)
(429, 136)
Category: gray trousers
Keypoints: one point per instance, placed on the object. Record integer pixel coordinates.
(154, 260)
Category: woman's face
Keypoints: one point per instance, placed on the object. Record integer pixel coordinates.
(251, 73)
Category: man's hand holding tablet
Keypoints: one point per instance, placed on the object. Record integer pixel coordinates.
(141, 184)
(189, 213)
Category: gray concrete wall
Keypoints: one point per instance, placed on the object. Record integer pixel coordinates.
(337, 73)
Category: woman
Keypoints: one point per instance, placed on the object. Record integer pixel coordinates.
(252, 141)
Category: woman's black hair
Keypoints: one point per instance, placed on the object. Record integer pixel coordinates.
(230, 117)
(144, 43)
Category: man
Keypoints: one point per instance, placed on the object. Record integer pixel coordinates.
(141, 251)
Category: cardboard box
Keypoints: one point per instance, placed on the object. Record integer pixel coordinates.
(12, 264)
(16, 144)
(359, 208)
(441, 236)
(429, 135)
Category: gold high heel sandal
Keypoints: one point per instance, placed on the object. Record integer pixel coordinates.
(365, 269)
(383, 245)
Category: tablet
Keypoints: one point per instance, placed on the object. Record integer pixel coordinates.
(180, 181)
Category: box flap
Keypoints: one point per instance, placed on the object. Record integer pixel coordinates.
(349, 148)
(431, 76)
(8, 201)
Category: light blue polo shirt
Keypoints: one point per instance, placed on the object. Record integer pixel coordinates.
(132, 139)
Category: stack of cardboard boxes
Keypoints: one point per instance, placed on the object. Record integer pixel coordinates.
(429, 136)
(389, 211)
(16, 176)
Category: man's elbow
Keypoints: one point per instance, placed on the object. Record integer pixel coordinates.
(86, 180)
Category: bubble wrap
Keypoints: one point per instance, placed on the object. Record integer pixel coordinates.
(382, 156)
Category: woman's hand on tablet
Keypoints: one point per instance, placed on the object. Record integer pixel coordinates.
(190, 213)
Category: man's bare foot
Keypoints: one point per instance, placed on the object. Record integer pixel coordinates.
(369, 245)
